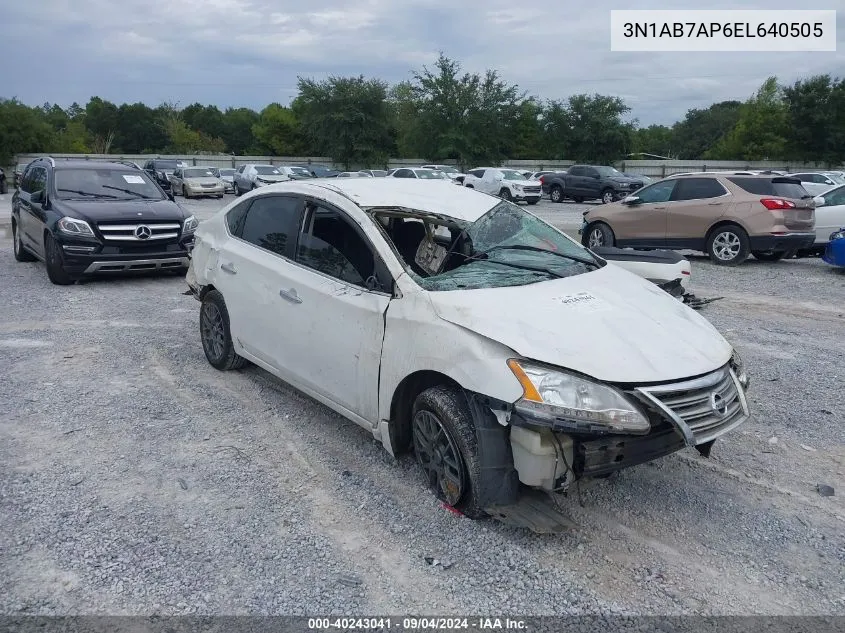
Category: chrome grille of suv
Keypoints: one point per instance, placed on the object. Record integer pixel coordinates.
(140, 232)
(703, 408)
(532, 189)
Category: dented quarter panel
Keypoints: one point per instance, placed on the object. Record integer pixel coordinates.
(609, 324)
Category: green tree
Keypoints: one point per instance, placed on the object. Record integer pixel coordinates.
(597, 133)
(527, 131)
(556, 130)
(102, 121)
(22, 130)
(184, 140)
(138, 130)
(346, 118)
(237, 129)
(700, 130)
(815, 130)
(654, 139)
(73, 139)
(760, 131)
(207, 119)
(277, 131)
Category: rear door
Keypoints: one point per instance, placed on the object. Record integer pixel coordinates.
(695, 205)
(576, 181)
(33, 216)
(643, 223)
(263, 239)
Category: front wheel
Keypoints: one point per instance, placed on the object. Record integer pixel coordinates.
(607, 196)
(598, 234)
(769, 256)
(21, 254)
(55, 263)
(447, 448)
(236, 190)
(556, 193)
(505, 194)
(215, 334)
(728, 246)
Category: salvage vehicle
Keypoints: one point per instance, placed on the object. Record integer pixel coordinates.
(508, 184)
(84, 217)
(727, 216)
(511, 360)
(249, 177)
(193, 182)
(834, 253)
(590, 182)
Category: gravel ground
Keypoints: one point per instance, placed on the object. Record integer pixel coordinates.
(136, 479)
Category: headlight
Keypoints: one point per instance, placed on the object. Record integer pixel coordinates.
(837, 235)
(739, 369)
(72, 226)
(570, 402)
(190, 225)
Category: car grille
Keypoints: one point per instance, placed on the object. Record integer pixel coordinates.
(635, 185)
(531, 189)
(702, 408)
(209, 186)
(141, 232)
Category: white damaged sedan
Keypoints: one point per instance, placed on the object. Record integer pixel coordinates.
(449, 322)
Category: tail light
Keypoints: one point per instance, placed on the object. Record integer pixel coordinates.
(777, 204)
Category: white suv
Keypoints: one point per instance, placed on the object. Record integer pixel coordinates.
(508, 184)
(249, 177)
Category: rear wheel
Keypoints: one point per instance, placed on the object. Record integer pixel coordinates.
(446, 447)
(21, 254)
(769, 256)
(55, 263)
(216, 335)
(556, 193)
(607, 196)
(236, 190)
(728, 245)
(598, 234)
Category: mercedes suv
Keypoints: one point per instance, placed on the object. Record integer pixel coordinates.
(83, 217)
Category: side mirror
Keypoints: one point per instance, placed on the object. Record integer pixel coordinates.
(38, 197)
(820, 202)
(632, 200)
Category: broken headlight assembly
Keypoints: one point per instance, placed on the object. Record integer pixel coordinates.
(738, 367)
(567, 402)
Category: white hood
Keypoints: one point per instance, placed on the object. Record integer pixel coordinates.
(609, 324)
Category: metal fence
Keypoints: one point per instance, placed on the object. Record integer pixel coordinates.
(651, 168)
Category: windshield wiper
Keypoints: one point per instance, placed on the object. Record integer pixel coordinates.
(87, 193)
(129, 191)
(535, 269)
(536, 249)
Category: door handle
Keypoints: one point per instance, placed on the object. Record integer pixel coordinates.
(290, 295)
(714, 204)
(228, 268)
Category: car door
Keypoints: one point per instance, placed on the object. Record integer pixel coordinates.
(334, 302)
(695, 205)
(644, 222)
(263, 234)
(33, 214)
(575, 182)
(591, 182)
(176, 180)
(830, 217)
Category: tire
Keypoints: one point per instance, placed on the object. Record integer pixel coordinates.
(21, 254)
(728, 245)
(219, 196)
(607, 196)
(445, 410)
(55, 263)
(598, 234)
(578, 199)
(185, 193)
(769, 256)
(215, 334)
(556, 194)
(237, 190)
(505, 194)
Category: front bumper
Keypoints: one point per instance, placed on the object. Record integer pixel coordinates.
(87, 257)
(692, 412)
(205, 191)
(788, 242)
(525, 196)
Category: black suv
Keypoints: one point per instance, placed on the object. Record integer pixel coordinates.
(161, 169)
(84, 217)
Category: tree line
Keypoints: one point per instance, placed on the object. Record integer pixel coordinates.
(443, 113)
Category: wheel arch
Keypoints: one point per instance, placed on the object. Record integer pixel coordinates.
(402, 403)
(724, 222)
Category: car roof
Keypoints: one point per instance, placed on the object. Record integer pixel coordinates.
(92, 164)
(444, 198)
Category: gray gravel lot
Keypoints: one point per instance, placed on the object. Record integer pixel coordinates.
(136, 479)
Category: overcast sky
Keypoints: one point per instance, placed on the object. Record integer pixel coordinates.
(250, 52)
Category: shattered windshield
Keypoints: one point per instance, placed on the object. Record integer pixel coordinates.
(507, 246)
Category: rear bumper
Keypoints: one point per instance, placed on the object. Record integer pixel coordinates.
(789, 242)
